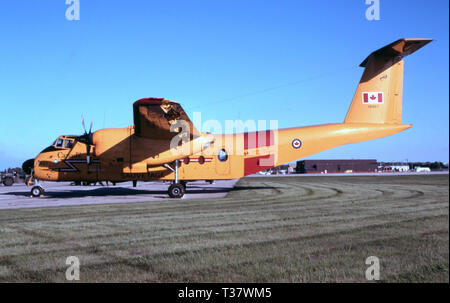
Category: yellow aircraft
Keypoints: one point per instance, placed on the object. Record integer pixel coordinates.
(164, 144)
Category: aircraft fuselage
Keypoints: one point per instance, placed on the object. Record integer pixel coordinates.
(128, 157)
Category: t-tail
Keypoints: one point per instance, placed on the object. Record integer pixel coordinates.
(378, 98)
(375, 111)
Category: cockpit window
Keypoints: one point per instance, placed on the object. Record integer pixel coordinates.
(59, 143)
(68, 143)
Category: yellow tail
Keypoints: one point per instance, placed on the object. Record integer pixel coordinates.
(378, 98)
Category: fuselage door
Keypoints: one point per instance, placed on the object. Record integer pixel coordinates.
(222, 162)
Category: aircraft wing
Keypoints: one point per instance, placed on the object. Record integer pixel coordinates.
(158, 118)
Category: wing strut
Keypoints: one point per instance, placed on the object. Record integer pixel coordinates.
(177, 162)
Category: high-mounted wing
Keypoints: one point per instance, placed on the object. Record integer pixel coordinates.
(158, 118)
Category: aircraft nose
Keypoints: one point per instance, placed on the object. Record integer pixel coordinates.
(28, 165)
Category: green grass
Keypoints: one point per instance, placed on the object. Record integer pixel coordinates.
(296, 229)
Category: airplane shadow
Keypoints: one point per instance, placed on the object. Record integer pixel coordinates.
(123, 191)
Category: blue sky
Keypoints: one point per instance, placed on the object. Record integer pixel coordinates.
(291, 61)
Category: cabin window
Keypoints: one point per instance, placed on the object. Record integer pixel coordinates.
(222, 156)
(68, 143)
(59, 143)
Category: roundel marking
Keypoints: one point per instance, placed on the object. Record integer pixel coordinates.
(296, 143)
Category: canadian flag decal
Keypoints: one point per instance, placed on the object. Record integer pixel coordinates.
(373, 98)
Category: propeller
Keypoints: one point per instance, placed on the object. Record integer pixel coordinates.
(86, 138)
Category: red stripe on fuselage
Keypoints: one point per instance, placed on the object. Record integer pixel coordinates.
(255, 164)
(254, 140)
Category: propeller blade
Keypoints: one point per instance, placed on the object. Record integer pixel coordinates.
(87, 140)
(88, 154)
(82, 123)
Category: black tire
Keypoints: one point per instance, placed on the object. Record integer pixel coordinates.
(8, 181)
(184, 183)
(37, 191)
(176, 190)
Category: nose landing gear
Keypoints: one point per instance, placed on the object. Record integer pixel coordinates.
(37, 191)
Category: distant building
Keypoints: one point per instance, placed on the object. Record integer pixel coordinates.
(336, 166)
(388, 167)
(422, 169)
(291, 169)
(397, 168)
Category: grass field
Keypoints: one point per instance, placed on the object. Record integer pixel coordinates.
(296, 229)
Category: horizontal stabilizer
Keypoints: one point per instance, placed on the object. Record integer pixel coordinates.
(400, 48)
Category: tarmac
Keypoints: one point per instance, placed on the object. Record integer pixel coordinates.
(380, 174)
(65, 194)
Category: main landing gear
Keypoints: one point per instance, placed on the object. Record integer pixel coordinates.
(176, 189)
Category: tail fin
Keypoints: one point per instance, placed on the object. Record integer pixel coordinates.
(378, 98)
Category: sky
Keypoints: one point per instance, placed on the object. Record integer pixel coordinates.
(292, 61)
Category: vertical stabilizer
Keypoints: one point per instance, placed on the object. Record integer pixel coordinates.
(378, 98)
